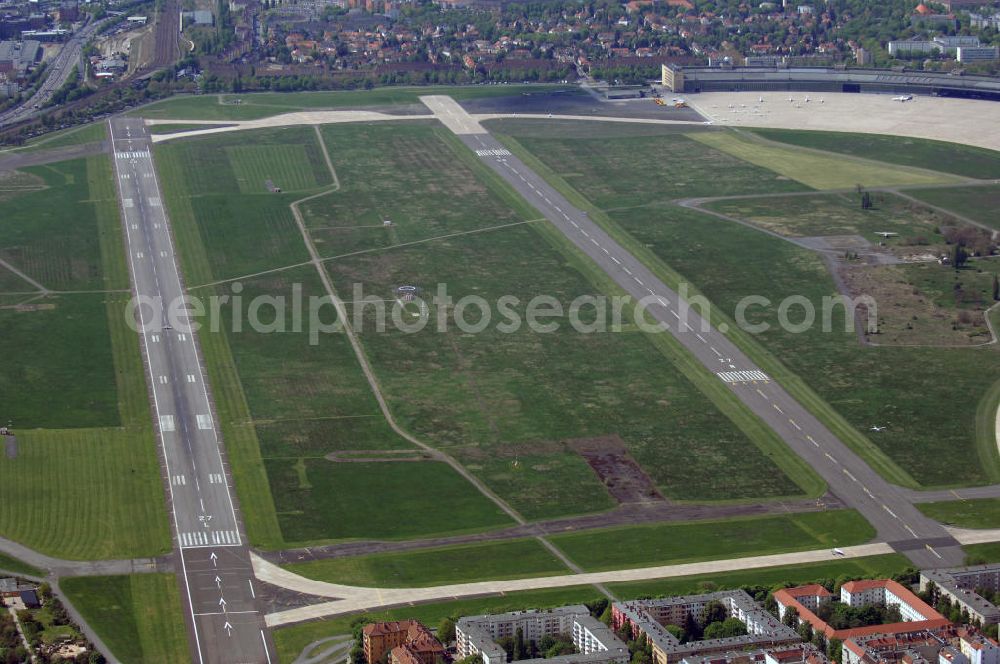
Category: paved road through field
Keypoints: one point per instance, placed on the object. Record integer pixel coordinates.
(224, 618)
(897, 521)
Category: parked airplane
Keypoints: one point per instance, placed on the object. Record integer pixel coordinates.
(886, 234)
(877, 428)
(903, 98)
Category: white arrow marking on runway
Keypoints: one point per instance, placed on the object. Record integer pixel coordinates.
(214, 558)
(228, 628)
(218, 581)
(222, 603)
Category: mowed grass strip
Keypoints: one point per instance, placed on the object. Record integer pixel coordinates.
(433, 567)
(317, 499)
(52, 234)
(646, 546)
(964, 160)
(256, 165)
(814, 169)
(971, 513)
(139, 616)
(981, 203)
(84, 494)
(15, 566)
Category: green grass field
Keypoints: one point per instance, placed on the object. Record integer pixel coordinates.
(980, 204)
(840, 214)
(53, 235)
(265, 104)
(648, 167)
(317, 499)
(86, 482)
(849, 386)
(515, 559)
(89, 133)
(138, 616)
(526, 394)
(401, 173)
(964, 160)
(647, 546)
(815, 169)
(519, 395)
(979, 554)
(15, 566)
(84, 494)
(973, 513)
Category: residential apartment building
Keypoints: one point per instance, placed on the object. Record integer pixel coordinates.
(594, 641)
(962, 585)
(978, 53)
(414, 642)
(917, 615)
(650, 617)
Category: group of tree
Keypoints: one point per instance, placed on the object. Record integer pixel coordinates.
(841, 616)
(518, 648)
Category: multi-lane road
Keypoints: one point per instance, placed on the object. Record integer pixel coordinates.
(59, 70)
(218, 589)
(849, 477)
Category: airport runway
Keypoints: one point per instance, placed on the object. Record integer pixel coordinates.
(898, 522)
(223, 615)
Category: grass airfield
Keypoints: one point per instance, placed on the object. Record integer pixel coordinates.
(311, 451)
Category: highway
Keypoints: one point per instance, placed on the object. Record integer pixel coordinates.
(224, 619)
(850, 478)
(59, 70)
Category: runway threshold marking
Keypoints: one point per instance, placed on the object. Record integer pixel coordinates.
(742, 376)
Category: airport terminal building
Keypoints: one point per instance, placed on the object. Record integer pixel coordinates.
(826, 79)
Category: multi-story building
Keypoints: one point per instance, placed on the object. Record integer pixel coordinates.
(978, 53)
(384, 638)
(650, 617)
(979, 650)
(594, 641)
(923, 647)
(917, 615)
(962, 586)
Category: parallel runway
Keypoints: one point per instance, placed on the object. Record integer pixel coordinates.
(223, 616)
(897, 521)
